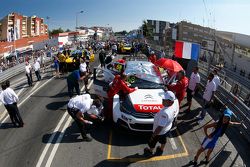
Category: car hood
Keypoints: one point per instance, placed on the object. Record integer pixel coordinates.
(147, 100)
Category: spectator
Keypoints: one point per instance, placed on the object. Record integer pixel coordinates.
(207, 96)
(37, 69)
(28, 73)
(216, 79)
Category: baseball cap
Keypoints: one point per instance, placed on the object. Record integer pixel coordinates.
(228, 113)
(169, 95)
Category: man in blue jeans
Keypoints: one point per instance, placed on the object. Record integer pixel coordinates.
(73, 81)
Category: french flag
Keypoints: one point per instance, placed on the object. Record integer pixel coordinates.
(187, 50)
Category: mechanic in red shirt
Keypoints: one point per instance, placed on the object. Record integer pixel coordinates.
(152, 58)
(118, 84)
(122, 61)
(180, 87)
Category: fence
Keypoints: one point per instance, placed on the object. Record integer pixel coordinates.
(228, 95)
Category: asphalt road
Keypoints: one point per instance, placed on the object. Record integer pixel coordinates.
(50, 138)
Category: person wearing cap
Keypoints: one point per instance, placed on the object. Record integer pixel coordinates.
(211, 139)
(180, 87)
(73, 81)
(162, 124)
(78, 108)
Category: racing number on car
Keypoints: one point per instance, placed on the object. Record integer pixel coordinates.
(131, 79)
(118, 67)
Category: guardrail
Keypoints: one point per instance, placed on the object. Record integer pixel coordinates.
(18, 69)
(226, 95)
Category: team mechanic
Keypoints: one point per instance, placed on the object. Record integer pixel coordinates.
(163, 121)
(78, 108)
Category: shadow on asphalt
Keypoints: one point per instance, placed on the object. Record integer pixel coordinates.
(7, 126)
(56, 105)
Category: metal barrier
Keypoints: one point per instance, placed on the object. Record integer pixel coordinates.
(226, 95)
(18, 69)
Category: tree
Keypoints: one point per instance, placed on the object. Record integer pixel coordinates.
(56, 31)
(68, 30)
(147, 29)
(124, 32)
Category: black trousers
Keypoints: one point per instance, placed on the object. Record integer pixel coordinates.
(14, 114)
(29, 78)
(71, 86)
(80, 125)
(38, 76)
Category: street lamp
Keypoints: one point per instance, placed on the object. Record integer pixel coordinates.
(77, 18)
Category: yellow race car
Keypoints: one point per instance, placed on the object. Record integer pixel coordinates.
(126, 48)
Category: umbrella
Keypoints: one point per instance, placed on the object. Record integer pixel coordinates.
(169, 64)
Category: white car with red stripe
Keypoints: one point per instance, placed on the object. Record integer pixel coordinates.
(136, 110)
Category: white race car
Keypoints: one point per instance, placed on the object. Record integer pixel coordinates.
(136, 110)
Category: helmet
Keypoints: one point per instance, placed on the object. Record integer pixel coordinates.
(152, 52)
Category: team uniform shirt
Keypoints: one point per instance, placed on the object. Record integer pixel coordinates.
(152, 58)
(210, 88)
(194, 80)
(36, 66)
(9, 96)
(176, 108)
(83, 67)
(27, 68)
(74, 76)
(164, 118)
(216, 81)
(121, 61)
(81, 102)
(117, 85)
(179, 88)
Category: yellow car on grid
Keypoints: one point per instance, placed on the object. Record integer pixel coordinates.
(126, 48)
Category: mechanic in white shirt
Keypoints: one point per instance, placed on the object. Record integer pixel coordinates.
(207, 96)
(216, 79)
(192, 86)
(10, 99)
(37, 69)
(77, 108)
(28, 73)
(162, 124)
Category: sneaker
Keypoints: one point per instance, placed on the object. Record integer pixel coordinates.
(206, 160)
(87, 139)
(158, 152)
(147, 152)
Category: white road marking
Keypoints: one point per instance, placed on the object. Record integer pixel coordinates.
(58, 141)
(50, 140)
(172, 142)
(27, 99)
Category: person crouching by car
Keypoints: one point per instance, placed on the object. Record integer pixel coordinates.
(78, 108)
(117, 85)
(180, 87)
(163, 121)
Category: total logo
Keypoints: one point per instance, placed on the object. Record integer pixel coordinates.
(148, 107)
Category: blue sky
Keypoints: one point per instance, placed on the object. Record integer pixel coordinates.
(227, 15)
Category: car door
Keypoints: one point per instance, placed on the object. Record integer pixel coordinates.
(102, 79)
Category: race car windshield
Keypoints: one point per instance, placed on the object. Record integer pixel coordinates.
(144, 84)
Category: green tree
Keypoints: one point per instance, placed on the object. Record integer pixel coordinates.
(68, 30)
(124, 32)
(147, 29)
(56, 31)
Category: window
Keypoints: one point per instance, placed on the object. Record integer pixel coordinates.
(185, 32)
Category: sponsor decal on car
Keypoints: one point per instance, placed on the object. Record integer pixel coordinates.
(147, 107)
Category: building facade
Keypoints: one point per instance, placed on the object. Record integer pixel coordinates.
(159, 30)
(15, 26)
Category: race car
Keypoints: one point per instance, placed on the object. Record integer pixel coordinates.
(136, 110)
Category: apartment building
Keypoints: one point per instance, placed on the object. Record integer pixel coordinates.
(15, 26)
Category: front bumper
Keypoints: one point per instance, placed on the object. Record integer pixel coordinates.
(128, 121)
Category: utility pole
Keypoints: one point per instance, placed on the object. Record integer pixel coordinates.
(77, 18)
